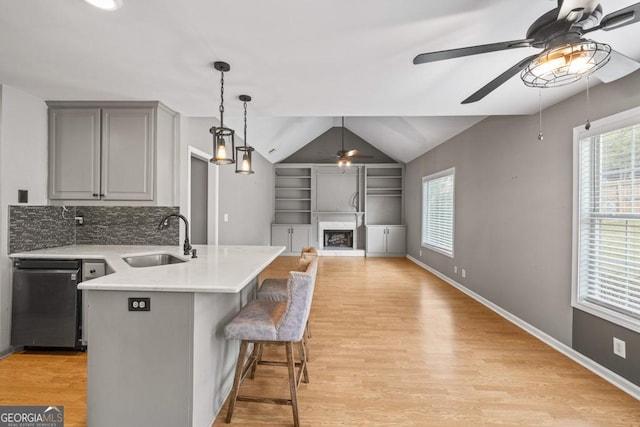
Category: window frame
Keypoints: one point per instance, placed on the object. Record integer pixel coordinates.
(598, 127)
(446, 172)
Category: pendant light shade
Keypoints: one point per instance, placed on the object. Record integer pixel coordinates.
(244, 163)
(223, 138)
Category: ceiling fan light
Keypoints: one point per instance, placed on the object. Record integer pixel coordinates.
(109, 5)
(566, 64)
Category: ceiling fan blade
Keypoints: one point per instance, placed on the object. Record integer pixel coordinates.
(472, 50)
(351, 153)
(573, 10)
(618, 66)
(363, 156)
(495, 83)
(620, 18)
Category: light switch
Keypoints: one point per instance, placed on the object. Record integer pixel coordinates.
(226, 217)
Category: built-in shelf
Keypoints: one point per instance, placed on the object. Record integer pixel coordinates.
(292, 195)
(383, 190)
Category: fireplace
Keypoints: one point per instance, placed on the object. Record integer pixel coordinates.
(338, 239)
(337, 235)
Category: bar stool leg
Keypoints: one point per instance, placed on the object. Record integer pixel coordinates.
(236, 379)
(257, 352)
(292, 382)
(303, 361)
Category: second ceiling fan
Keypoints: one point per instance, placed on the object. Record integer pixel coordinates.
(566, 55)
(344, 156)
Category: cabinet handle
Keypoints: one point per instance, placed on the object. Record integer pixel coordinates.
(101, 195)
(95, 194)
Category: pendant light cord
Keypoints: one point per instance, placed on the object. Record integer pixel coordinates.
(245, 125)
(221, 99)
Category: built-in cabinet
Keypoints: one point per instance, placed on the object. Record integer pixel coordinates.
(386, 240)
(111, 151)
(292, 236)
(367, 195)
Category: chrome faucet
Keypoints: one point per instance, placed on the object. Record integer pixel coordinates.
(165, 223)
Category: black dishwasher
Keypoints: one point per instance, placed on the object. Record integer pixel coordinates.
(47, 308)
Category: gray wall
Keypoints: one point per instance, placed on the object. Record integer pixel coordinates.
(248, 201)
(514, 212)
(324, 148)
(23, 165)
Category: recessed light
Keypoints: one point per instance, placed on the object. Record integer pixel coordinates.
(106, 4)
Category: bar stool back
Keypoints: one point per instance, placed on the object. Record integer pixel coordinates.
(274, 322)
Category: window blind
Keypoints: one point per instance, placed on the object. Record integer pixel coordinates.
(609, 221)
(438, 211)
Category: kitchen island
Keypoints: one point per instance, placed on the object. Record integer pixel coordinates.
(166, 363)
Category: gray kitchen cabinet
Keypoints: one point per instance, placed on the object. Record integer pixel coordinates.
(112, 151)
(386, 240)
(292, 236)
(127, 154)
(74, 153)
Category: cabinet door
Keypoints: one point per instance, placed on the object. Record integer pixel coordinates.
(127, 153)
(74, 153)
(280, 236)
(300, 237)
(376, 239)
(396, 240)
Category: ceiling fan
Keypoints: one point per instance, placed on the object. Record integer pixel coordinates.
(567, 55)
(344, 156)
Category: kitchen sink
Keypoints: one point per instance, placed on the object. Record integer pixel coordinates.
(152, 260)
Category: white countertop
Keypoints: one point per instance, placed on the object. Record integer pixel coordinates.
(225, 269)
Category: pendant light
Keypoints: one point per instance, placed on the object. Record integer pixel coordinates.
(223, 138)
(243, 154)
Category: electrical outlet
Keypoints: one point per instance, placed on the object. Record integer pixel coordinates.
(464, 273)
(420, 252)
(619, 348)
(226, 217)
(455, 269)
(139, 304)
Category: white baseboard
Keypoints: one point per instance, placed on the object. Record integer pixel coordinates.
(608, 375)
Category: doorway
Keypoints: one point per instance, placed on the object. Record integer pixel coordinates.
(199, 200)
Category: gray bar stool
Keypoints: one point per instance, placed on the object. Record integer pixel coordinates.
(275, 289)
(274, 322)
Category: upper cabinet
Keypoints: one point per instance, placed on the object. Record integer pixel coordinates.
(112, 152)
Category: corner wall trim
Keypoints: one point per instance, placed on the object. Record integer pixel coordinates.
(606, 374)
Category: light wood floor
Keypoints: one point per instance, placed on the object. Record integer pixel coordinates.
(392, 345)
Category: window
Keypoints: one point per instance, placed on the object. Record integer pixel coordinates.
(437, 211)
(606, 254)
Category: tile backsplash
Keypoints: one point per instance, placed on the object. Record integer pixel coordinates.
(40, 227)
(126, 225)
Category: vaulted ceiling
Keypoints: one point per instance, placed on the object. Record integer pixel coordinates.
(304, 63)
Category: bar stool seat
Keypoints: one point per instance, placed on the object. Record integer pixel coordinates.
(274, 322)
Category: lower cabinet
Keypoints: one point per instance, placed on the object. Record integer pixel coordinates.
(386, 240)
(292, 236)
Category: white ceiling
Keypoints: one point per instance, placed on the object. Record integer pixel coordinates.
(304, 63)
